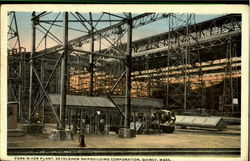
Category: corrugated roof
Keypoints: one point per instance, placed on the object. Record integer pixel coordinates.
(140, 101)
(84, 101)
(87, 101)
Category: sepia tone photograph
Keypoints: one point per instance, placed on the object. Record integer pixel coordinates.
(155, 84)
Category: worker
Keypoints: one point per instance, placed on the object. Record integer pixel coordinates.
(81, 133)
(74, 120)
(102, 126)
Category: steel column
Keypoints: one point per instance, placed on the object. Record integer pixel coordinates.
(168, 59)
(128, 72)
(33, 48)
(17, 33)
(20, 86)
(186, 62)
(42, 80)
(91, 62)
(64, 72)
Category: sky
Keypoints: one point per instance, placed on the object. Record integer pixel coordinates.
(24, 27)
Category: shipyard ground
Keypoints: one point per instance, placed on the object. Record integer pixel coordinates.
(181, 138)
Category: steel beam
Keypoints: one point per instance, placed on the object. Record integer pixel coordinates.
(128, 72)
(17, 33)
(168, 58)
(46, 53)
(117, 82)
(99, 54)
(46, 85)
(89, 21)
(107, 29)
(33, 48)
(21, 85)
(91, 60)
(46, 94)
(111, 99)
(185, 57)
(64, 72)
(42, 80)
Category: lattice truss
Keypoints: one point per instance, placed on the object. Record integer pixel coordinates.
(177, 65)
(96, 60)
(15, 61)
(189, 58)
(13, 56)
(109, 39)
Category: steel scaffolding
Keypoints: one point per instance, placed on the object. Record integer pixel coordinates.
(112, 34)
(185, 59)
(16, 56)
(177, 66)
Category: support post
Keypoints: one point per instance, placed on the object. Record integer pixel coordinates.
(91, 62)
(186, 63)
(168, 60)
(42, 79)
(128, 73)
(61, 133)
(20, 86)
(126, 132)
(64, 72)
(33, 48)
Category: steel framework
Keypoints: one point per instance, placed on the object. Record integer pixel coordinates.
(15, 64)
(185, 61)
(64, 54)
(177, 65)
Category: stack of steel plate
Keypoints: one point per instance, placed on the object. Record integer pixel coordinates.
(201, 122)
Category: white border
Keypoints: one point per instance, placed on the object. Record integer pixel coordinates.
(201, 9)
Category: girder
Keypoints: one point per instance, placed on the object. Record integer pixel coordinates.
(138, 21)
(178, 63)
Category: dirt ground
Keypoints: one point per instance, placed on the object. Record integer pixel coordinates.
(229, 138)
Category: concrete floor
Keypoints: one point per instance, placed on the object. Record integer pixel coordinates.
(181, 138)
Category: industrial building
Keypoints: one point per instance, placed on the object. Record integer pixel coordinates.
(89, 75)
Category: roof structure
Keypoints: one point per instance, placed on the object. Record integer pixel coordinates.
(82, 101)
(140, 102)
(104, 102)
